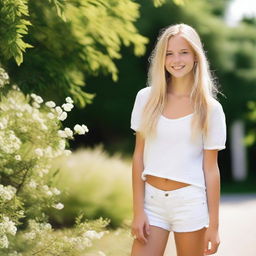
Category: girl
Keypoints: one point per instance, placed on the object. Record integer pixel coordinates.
(180, 126)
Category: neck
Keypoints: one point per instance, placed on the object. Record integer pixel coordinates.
(180, 86)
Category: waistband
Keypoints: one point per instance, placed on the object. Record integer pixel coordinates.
(179, 191)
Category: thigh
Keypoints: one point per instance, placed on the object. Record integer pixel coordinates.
(190, 243)
(155, 246)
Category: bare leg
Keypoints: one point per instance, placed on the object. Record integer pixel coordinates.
(155, 246)
(190, 243)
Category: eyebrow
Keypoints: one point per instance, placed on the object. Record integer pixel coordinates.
(180, 50)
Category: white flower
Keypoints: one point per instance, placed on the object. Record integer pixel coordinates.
(19, 114)
(67, 106)
(85, 128)
(69, 132)
(49, 193)
(35, 105)
(47, 190)
(51, 115)
(92, 234)
(33, 95)
(79, 129)
(101, 253)
(32, 184)
(8, 226)
(50, 104)
(7, 192)
(4, 243)
(59, 110)
(69, 100)
(5, 76)
(17, 157)
(62, 144)
(39, 151)
(58, 206)
(45, 171)
(62, 116)
(38, 99)
(62, 134)
(56, 191)
(30, 235)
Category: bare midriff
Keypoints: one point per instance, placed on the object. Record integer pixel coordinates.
(165, 184)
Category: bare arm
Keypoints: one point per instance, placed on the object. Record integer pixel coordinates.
(140, 225)
(212, 179)
(137, 169)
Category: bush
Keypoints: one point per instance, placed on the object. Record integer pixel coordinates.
(30, 139)
(96, 184)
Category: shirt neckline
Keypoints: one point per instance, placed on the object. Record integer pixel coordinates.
(176, 119)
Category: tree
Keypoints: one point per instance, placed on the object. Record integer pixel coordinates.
(71, 40)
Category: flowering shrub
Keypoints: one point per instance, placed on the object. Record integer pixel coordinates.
(30, 139)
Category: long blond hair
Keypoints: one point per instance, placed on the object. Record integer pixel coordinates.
(203, 90)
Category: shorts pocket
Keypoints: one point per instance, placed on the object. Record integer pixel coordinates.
(194, 198)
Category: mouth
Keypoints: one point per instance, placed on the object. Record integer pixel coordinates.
(178, 67)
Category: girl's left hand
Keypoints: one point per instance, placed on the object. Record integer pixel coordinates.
(212, 236)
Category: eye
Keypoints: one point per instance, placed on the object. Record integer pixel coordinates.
(169, 53)
(184, 52)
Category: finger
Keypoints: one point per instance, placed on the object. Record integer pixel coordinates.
(210, 252)
(147, 228)
(206, 245)
(141, 237)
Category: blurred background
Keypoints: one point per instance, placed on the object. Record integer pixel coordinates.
(97, 53)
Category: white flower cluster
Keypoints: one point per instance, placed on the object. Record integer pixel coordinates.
(51, 191)
(85, 240)
(92, 234)
(4, 78)
(7, 192)
(9, 142)
(61, 115)
(68, 133)
(37, 100)
(36, 228)
(81, 129)
(58, 206)
(6, 227)
(3, 123)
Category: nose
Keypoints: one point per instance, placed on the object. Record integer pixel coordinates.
(176, 58)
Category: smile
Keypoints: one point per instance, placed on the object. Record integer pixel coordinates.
(178, 67)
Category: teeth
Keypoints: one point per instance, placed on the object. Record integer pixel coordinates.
(178, 67)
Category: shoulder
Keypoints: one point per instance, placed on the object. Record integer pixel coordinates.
(143, 94)
(216, 109)
(215, 105)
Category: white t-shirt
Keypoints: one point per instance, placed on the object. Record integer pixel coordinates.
(171, 154)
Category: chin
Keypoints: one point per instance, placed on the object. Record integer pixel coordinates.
(181, 74)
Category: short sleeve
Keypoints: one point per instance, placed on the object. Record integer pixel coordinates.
(216, 137)
(139, 103)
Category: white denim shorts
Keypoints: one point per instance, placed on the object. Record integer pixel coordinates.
(180, 210)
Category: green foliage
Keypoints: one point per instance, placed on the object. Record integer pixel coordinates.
(14, 25)
(158, 3)
(96, 184)
(72, 40)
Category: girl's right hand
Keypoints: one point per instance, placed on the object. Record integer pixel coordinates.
(140, 227)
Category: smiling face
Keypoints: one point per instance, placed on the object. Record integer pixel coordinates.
(180, 57)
